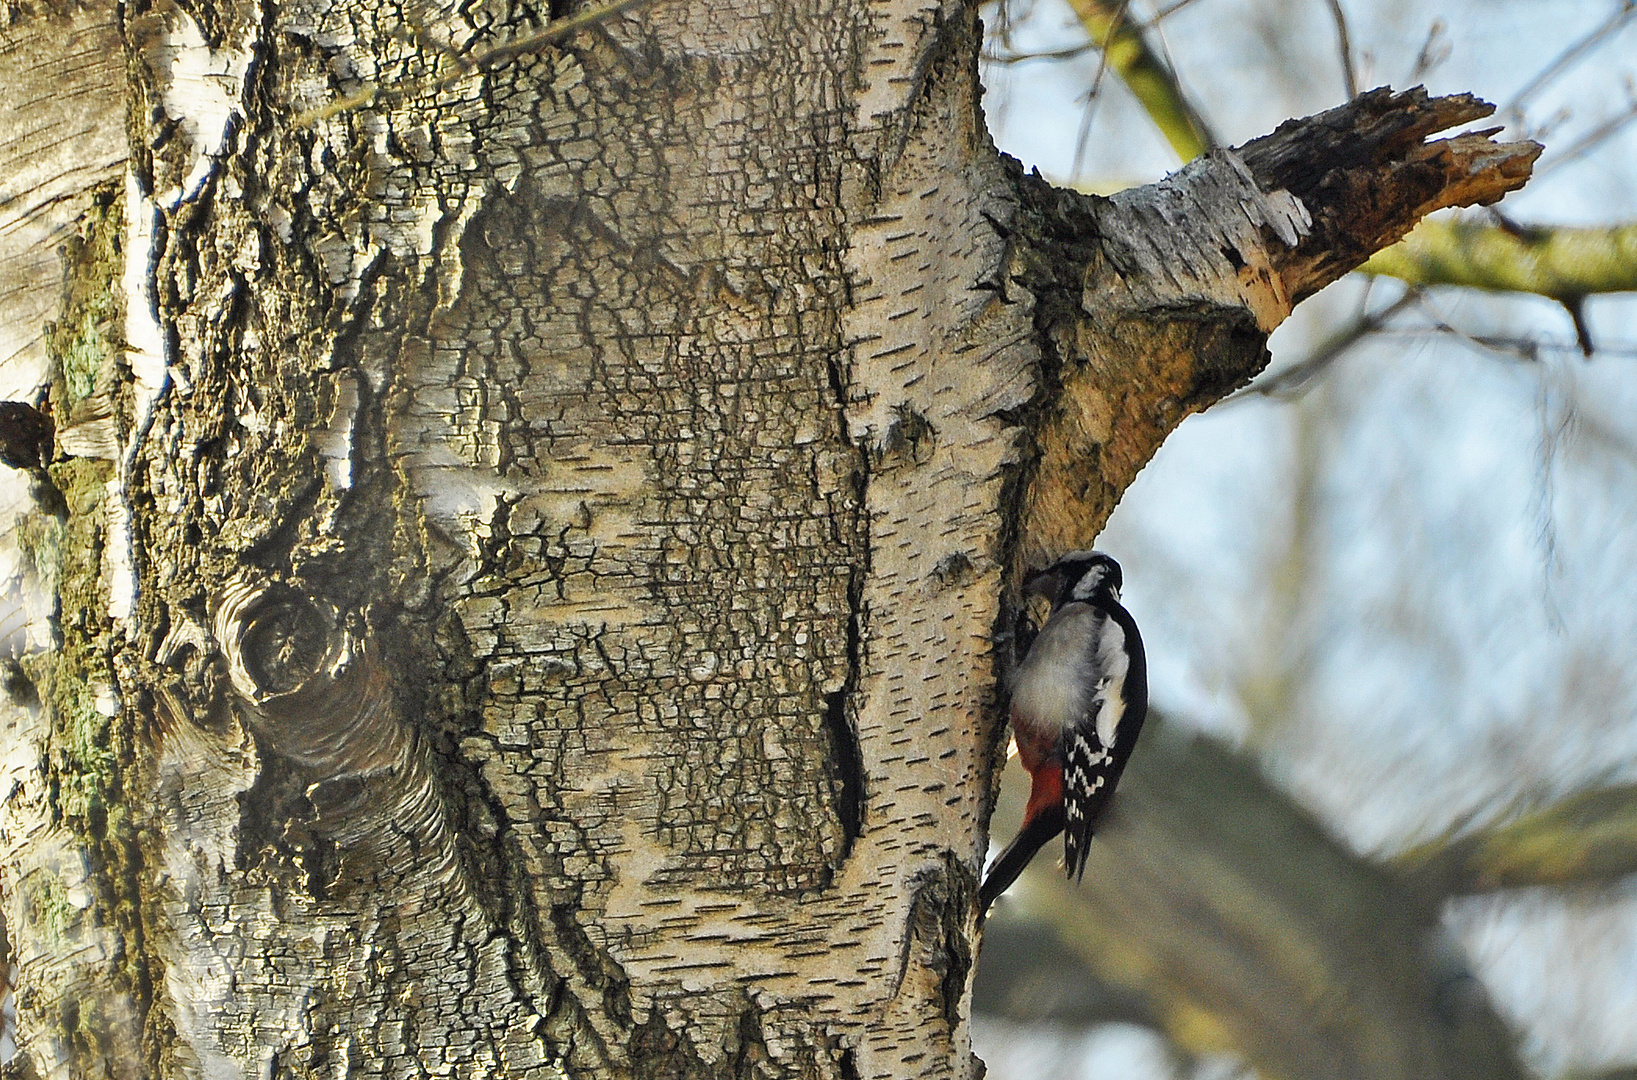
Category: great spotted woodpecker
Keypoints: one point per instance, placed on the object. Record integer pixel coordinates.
(1078, 702)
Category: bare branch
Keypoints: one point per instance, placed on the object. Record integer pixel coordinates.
(1268, 227)
(1345, 47)
(1358, 168)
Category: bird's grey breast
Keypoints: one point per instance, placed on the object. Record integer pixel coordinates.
(1056, 683)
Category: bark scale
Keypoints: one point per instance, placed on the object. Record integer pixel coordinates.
(535, 617)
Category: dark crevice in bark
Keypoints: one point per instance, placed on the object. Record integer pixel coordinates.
(593, 964)
(936, 941)
(1021, 269)
(847, 1063)
(274, 548)
(274, 843)
(1052, 239)
(851, 796)
(488, 844)
(849, 761)
(1055, 238)
(663, 1054)
(750, 1060)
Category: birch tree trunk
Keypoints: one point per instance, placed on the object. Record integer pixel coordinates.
(527, 575)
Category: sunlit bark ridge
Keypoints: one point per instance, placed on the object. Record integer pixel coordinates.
(535, 616)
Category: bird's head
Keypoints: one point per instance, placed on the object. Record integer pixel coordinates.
(1077, 576)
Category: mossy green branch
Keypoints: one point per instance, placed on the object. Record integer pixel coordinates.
(1560, 263)
(1587, 839)
(1152, 82)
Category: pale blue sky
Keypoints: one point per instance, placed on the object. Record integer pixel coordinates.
(1461, 641)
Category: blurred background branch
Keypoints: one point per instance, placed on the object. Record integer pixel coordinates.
(1125, 52)
(1556, 262)
(1217, 909)
(1398, 587)
(1150, 79)
(1587, 838)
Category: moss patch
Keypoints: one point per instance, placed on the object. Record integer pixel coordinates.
(86, 343)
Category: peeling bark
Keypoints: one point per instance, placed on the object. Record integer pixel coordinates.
(1155, 303)
(535, 616)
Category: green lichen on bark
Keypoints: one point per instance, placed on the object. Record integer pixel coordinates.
(78, 683)
(89, 743)
(85, 342)
(1559, 262)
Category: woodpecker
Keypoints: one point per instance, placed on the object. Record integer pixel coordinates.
(1078, 702)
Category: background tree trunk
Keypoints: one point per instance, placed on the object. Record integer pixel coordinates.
(536, 616)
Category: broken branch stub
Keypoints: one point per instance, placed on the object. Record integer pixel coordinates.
(1153, 304)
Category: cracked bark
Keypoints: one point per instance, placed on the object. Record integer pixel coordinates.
(536, 615)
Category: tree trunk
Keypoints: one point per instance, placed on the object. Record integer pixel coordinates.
(535, 614)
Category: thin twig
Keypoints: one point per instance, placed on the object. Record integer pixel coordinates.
(483, 61)
(1291, 384)
(1115, 25)
(1434, 51)
(1344, 44)
(1165, 13)
(1589, 141)
(1024, 58)
(1574, 52)
(1527, 349)
(1184, 100)
(1295, 380)
(1083, 139)
(1001, 32)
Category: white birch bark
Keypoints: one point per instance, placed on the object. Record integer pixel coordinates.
(535, 616)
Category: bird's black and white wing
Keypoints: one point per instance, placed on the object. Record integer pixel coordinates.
(1091, 763)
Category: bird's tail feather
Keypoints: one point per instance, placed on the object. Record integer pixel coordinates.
(1034, 835)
